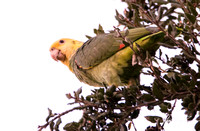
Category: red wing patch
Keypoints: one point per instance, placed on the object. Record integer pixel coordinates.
(121, 46)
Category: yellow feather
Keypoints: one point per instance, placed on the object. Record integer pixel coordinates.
(67, 47)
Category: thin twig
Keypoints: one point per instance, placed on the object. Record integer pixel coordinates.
(58, 116)
(170, 113)
(133, 125)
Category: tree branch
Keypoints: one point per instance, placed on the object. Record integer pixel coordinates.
(58, 116)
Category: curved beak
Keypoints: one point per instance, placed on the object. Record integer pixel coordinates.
(56, 54)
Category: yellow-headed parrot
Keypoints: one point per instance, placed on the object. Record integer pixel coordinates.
(104, 60)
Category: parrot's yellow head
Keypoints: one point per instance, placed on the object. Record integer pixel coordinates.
(64, 49)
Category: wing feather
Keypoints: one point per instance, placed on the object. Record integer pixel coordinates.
(103, 46)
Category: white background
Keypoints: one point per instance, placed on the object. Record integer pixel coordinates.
(30, 81)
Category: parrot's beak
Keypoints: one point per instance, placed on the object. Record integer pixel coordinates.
(56, 54)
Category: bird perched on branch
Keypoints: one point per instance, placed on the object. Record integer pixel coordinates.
(106, 59)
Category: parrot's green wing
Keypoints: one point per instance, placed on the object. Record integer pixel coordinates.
(103, 46)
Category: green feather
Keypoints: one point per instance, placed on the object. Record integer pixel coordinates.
(100, 61)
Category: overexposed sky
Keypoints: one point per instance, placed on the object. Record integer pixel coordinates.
(30, 81)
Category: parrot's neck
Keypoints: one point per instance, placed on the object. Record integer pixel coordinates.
(70, 52)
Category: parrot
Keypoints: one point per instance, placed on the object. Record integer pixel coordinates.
(106, 60)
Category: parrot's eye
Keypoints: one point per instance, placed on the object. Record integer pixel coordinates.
(61, 41)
